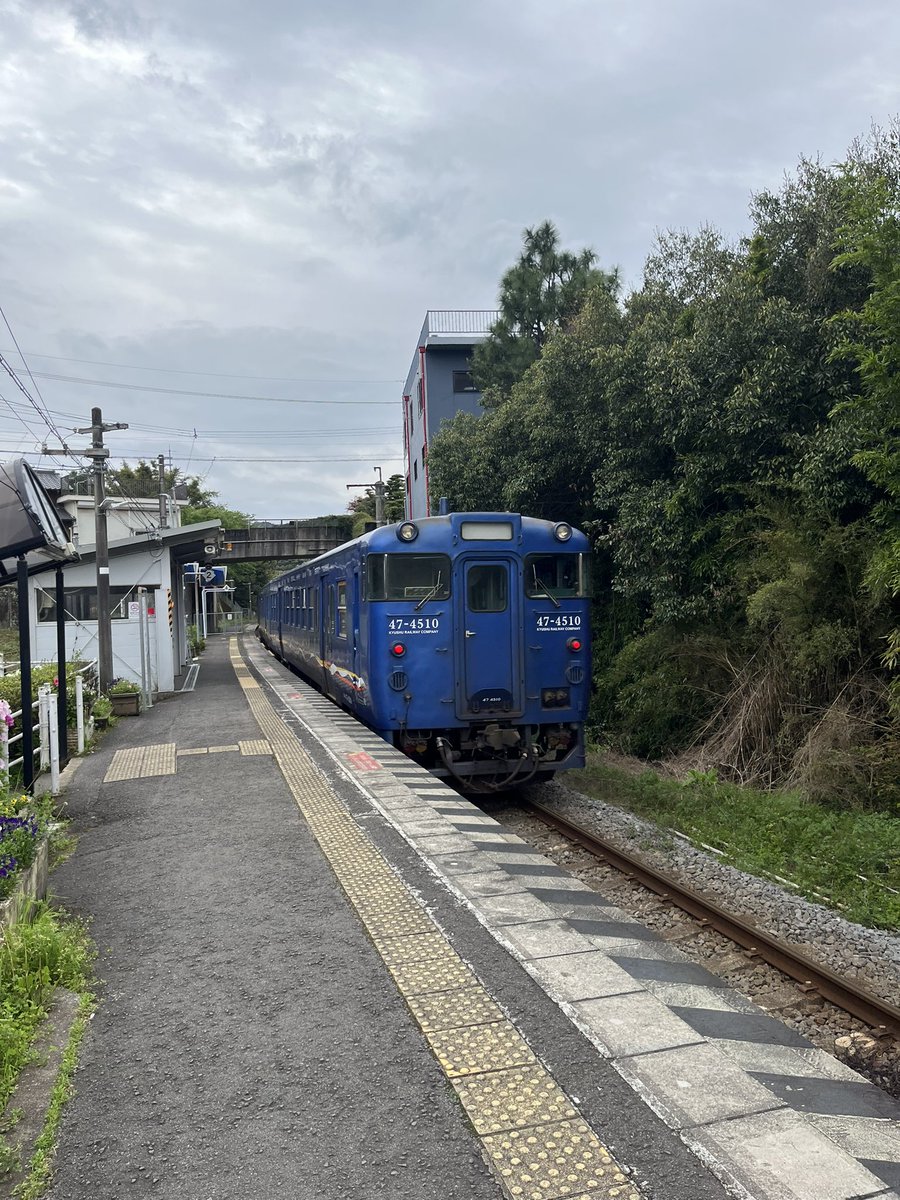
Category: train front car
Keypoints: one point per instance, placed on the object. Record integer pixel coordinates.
(478, 652)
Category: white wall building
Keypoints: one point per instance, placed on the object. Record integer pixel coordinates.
(140, 557)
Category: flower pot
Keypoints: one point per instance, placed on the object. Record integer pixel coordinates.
(126, 704)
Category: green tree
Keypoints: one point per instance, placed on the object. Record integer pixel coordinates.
(871, 239)
(142, 482)
(540, 293)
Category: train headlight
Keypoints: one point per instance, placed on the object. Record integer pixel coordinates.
(408, 531)
(562, 532)
(398, 649)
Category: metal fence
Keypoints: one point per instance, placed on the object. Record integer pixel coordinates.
(447, 320)
(228, 622)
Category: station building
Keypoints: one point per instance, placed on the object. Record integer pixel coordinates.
(439, 385)
(147, 552)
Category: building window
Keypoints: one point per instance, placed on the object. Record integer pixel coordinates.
(463, 382)
(421, 396)
(81, 604)
(415, 468)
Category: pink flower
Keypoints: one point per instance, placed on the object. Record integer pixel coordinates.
(6, 713)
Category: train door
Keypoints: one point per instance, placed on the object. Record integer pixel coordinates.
(279, 605)
(489, 622)
(328, 623)
(353, 616)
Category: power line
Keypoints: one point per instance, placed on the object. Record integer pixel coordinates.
(146, 387)
(236, 459)
(45, 414)
(99, 362)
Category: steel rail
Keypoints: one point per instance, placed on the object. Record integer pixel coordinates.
(812, 977)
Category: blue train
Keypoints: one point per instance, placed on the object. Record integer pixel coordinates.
(462, 639)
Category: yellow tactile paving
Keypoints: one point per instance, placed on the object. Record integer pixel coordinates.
(551, 1161)
(223, 749)
(513, 1099)
(479, 1048)
(424, 947)
(424, 978)
(255, 746)
(192, 750)
(530, 1131)
(141, 762)
(453, 1010)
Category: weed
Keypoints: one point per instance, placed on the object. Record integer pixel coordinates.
(847, 859)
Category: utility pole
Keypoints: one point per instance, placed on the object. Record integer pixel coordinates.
(97, 452)
(161, 463)
(379, 487)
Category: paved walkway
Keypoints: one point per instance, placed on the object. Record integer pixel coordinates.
(249, 1043)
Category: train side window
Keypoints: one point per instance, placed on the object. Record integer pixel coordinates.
(487, 588)
(565, 576)
(408, 577)
(341, 628)
(329, 612)
(314, 610)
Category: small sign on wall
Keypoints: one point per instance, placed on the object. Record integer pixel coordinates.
(134, 610)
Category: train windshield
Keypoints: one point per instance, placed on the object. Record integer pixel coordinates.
(408, 577)
(561, 576)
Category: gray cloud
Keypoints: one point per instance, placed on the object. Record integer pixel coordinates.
(283, 191)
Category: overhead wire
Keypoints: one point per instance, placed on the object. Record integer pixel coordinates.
(45, 415)
(146, 387)
(99, 362)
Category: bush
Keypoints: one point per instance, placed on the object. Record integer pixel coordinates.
(120, 687)
(654, 694)
(11, 688)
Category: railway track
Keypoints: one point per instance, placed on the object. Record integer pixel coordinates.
(812, 978)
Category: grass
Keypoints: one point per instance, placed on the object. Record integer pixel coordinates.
(847, 860)
(42, 1159)
(52, 950)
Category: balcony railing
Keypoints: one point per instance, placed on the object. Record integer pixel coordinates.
(467, 320)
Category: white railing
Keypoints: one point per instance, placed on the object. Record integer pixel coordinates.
(443, 320)
(47, 746)
(88, 671)
(47, 730)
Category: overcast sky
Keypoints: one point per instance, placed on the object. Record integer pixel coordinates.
(262, 200)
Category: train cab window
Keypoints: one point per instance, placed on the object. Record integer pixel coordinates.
(561, 576)
(408, 577)
(488, 588)
(341, 628)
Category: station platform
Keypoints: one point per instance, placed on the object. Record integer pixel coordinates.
(328, 975)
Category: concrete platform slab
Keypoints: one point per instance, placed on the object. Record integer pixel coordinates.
(636, 1023)
(540, 939)
(779, 1156)
(693, 1085)
(573, 977)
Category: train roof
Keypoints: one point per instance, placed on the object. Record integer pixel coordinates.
(432, 536)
